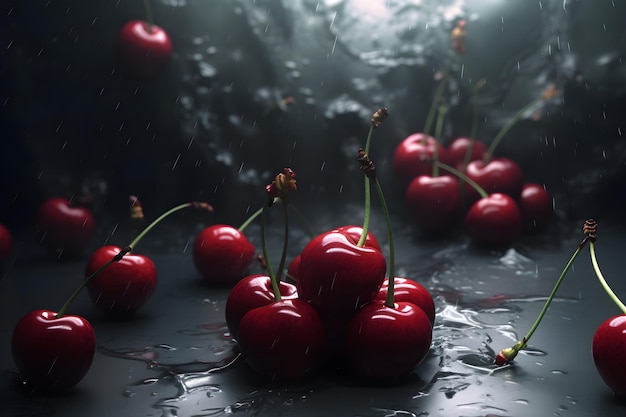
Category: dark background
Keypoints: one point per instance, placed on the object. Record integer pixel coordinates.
(74, 124)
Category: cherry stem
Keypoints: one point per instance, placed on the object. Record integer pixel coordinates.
(283, 256)
(69, 301)
(480, 190)
(436, 100)
(367, 210)
(149, 18)
(391, 275)
(605, 285)
(204, 206)
(251, 219)
(270, 271)
(438, 129)
(505, 129)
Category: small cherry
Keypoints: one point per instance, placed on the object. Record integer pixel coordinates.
(458, 149)
(414, 156)
(143, 47)
(386, 340)
(283, 339)
(6, 244)
(536, 206)
(54, 351)
(64, 229)
(434, 203)
(127, 285)
(499, 175)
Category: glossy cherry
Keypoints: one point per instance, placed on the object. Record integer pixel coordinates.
(355, 232)
(494, 221)
(413, 157)
(53, 354)
(536, 206)
(252, 292)
(124, 286)
(283, 340)
(386, 343)
(336, 276)
(608, 347)
(143, 48)
(64, 229)
(222, 254)
(500, 175)
(434, 203)
(407, 290)
(6, 244)
(457, 150)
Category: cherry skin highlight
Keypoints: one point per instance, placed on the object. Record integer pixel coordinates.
(608, 348)
(53, 354)
(143, 49)
(124, 286)
(409, 291)
(222, 254)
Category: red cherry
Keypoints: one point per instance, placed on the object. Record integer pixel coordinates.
(53, 354)
(536, 206)
(292, 269)
(6, 244)
(434, 203)
(457, 149)
(144, 49)
(388, 343)
(409, 291)
(412, 157)
(222, 254)
(252, 292)
(336, 276)
(355, 233)
(608, 347)
(122, 287)
(494, 221)
(63, 228)
(500, 175)
(283, 340)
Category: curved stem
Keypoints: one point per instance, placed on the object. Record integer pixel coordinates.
(389, 302)
(283, 256)
(505, 129)
(157, 221)
(69, 301)
(250, 219)
(463, 177)
(149, 18)
(605, 285)
(436, 99)
(270, 271)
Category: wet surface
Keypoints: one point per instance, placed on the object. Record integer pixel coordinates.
(176, 358)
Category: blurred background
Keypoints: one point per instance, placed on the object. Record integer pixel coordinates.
(256, 86)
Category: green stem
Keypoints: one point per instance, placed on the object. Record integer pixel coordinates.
(436, 100)
(149, 18)
(605, 285)
(367, 210)
(270, 271)
(250, 219)
(463, 177)
(155, 222)
(553, 293)
(283, 256)
(438, 129)
(391, 275)
(505, 129)
(69, 301)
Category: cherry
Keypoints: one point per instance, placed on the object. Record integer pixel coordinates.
(608, 347)
(355, 233)
(336, 276)
(252, 292)
(388, 342)
(414, 155)
(407, 290)
(282, 340)
(500, 175)
(456, 151)
(494, 220)
(123, 287)
(64, 229)
(143, 48)
(536, 206)
(292, 269)
(6, 244)
(222, 254)
(53, 352)
(434, 203)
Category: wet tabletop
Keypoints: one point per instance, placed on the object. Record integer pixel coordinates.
(175, 357)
